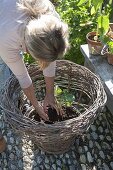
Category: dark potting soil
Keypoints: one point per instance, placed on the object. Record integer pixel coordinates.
(91, 37)
(69, 113)
(82, 103)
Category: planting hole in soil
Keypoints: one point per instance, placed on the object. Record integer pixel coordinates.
(79, 106)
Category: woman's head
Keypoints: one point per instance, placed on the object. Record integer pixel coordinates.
(46, 38)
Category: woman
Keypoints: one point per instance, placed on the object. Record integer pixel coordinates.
(33, 26)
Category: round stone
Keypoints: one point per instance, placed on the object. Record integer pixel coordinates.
(105, 166)
(108, 138)
(107, 130)
(58, 162)
(46, 160)
(100, 129)
(89, 157)
(47, 166)
(95, 156)
(54, 166)
(93, 127)
(13, 167)
(97, 145)
(83, 167)
(9, 133)
(9, 147)
(100, 118)
(80, 150)
(72, 167)
(83, 158)
(94, 135)
(20, 164)
(39, 160)
(12, 140)
(73, 154)
(90, 144)
(101, 137)
(99, 162)
(86, 148)
(111, 164)
(67, 156)
(88, 136)
(101, 153)
(106, 146)
(5, 162)
(12, 156)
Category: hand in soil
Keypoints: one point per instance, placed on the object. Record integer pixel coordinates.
(50, 101)
(41, 113)
(53, 116)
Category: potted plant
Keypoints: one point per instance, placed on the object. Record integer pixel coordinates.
(94, 38)
(109, 53)
(108, 47)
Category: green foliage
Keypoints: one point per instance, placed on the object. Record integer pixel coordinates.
(63, 96)
(82, 17)
(28, 58)
(103, 25)
(80, 22)
(110, 45)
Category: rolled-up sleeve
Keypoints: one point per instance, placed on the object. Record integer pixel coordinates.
(16, 64)
(50, 70)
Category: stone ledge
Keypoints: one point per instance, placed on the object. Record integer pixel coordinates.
(99, 65)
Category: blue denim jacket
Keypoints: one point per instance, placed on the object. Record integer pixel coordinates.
(5, 73)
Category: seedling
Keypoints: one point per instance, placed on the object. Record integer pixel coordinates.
(64, 97)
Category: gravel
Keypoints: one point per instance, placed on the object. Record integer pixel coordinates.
(94, 151)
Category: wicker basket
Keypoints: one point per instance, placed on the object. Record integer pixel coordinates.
(59, 137)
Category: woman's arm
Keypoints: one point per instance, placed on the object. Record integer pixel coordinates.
(29, 92)
(17, 66)
(49, 97)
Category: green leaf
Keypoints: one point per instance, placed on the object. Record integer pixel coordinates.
(57, 90)
(81, 2)
(97, 4)
(92, 10)
(110, 44)
(67, 97)
(103, 24)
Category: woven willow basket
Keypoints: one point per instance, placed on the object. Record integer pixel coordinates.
(58, 137)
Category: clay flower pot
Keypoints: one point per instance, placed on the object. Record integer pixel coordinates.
(95, 47)
(109, 58)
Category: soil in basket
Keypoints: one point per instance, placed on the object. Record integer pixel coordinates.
(69, 112)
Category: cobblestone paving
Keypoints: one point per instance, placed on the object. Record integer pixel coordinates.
(94, 151)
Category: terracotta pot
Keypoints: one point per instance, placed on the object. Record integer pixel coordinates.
(110, 32)
(95, 47)
(111, 26)
(109, 58)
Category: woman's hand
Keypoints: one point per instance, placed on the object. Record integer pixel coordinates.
(51, 101)
(41, 112)
(29, 92)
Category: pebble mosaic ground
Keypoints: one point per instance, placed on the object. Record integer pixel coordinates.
(93, 151)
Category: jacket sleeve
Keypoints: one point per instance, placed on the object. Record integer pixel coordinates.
(50, 70)
(16, 64)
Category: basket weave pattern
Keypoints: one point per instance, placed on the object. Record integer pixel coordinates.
(58, 137)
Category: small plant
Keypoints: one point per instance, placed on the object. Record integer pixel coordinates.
(97, 9)
(110, 46)
(64, 97)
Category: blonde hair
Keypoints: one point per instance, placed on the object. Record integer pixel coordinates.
(46, 37)
(35, 8)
